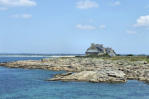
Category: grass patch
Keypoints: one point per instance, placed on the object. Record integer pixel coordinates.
(131, 58)
(127, 58)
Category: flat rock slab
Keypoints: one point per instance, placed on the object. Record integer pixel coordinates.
(93, 76)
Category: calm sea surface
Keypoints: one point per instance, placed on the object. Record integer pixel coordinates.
(31, 84)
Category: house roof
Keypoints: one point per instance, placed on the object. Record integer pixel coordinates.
(92, 50)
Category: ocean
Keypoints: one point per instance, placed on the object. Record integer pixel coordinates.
(32, 84)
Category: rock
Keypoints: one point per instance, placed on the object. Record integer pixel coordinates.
(89, 69)
(93, 76)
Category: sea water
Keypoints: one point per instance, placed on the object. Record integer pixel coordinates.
(32, 84)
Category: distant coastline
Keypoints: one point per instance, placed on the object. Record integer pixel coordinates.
(37, 55)
(54, 55)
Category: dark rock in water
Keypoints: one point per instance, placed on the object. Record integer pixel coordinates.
(99, 49)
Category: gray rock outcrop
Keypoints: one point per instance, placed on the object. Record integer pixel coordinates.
(109, 75)
(89, 69)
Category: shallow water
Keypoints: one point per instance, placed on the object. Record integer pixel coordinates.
(31, 84)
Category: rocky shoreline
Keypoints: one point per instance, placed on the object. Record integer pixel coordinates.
(89, 69)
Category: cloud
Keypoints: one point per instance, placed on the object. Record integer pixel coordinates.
(86, 4)
(102, 26)
(85, 27)
(90, 27)
(116, 3)
(23, 16)
(142, 21)
(131, 32)
(13, 3)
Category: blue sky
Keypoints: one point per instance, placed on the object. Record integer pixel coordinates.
(69, 26)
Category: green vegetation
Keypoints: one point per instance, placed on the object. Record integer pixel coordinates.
(131, 58)
(130, 55)
(127, 58)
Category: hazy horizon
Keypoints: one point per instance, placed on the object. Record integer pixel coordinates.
(59, 54)
(70, 26)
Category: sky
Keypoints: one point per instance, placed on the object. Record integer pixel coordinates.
(70, 26)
